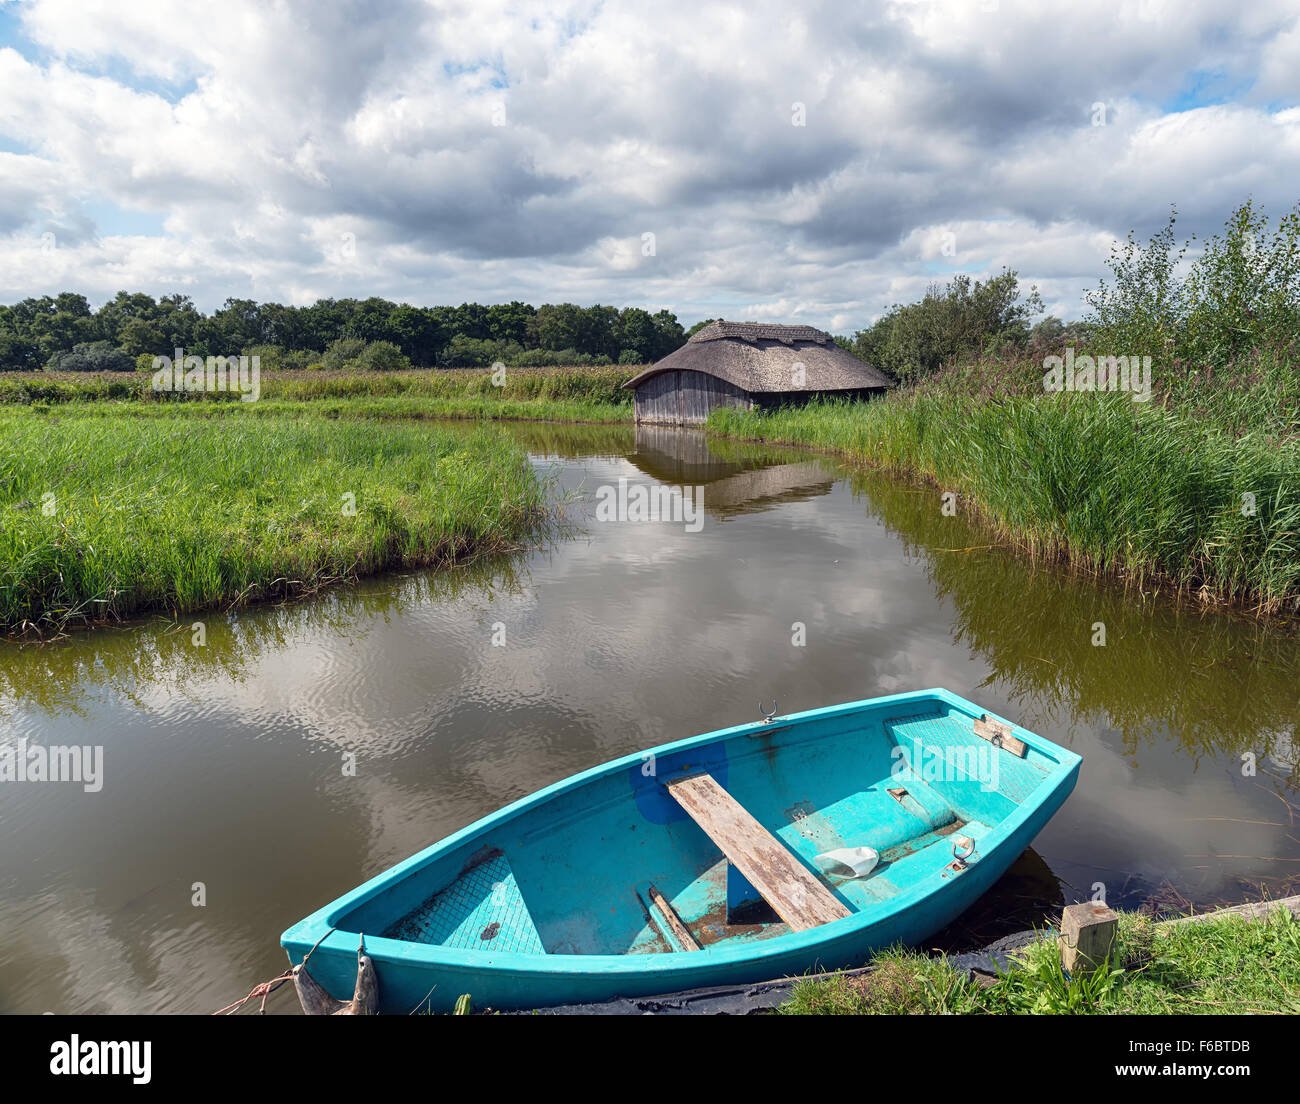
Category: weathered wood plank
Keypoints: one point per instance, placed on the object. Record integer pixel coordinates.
(669, 914)
(1255, 910)
(796, 895)
(685, 398)
(999, 735)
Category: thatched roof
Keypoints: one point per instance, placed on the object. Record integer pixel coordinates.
(761, 358)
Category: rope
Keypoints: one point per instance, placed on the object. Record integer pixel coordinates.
(263, 990)
(266, 988)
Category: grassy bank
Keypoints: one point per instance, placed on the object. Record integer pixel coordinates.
(1224, 966)
(585, 387)
(395, 408)
(1195, 489)
(104, 516)
(1132, 490)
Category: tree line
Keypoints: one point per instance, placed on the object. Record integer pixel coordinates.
(1241, 291)
(64, 332)
(1204, 303)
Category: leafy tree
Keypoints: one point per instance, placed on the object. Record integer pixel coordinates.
(18, 353)
(637, 335)
(1143, 309)
(669, 335)
(966, 317)
(559, 325)
(139, 335)
(510, 321)
(598, 331)
(419, 333)
(471, 319)
(372, 320)
(1244, 289)
(1051, 334)
(235, 327)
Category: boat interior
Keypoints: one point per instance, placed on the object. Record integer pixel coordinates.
(718, 844)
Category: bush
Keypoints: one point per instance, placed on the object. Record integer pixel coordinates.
(275, 358)
(383, 356)
(473, 352)
(93, 356)
(343, 353)
(629, 356)
(1241, 293)
(300, 360)
(556, 358)
(1051, 335)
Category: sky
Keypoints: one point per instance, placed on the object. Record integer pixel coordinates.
(812, 163)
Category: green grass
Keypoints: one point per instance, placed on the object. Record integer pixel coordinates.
(1227, 966)
(1132, 490)
(384, 408)
(1256, 394)
(1151, 493)
(595, 387)
(181, 513)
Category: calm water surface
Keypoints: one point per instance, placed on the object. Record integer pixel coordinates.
(223, 763)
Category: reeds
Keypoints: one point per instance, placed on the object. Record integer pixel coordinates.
(102, 517)
(1133, 490)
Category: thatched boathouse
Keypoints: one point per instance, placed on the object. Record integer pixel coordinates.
(749, 365)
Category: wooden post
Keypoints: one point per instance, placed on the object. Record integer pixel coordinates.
(1087, 935)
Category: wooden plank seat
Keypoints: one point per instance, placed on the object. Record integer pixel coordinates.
(795, 894)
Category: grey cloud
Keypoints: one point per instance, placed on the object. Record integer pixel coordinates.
(374, 119)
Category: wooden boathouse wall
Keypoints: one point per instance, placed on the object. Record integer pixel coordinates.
(680, 397)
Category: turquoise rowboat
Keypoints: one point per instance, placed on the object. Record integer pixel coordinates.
(736, 856)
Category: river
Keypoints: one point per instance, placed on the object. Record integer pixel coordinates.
(303, 748)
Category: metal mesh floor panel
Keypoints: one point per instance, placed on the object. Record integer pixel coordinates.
(482, 910)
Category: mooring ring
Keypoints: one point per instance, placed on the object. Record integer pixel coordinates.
(962, 857)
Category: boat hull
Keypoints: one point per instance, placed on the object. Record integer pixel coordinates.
(530, 969)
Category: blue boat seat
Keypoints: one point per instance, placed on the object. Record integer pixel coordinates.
(481, 910)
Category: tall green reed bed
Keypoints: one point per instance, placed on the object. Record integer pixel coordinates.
(383, 408)
(104, 517)
(1137, 490)
(595, 386)
(1256, 393)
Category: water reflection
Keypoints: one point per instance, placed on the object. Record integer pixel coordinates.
(157, 659)
(225, 763)
(1213, 684)
(735, 478)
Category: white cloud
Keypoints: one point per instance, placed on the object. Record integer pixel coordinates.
(259, 135)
